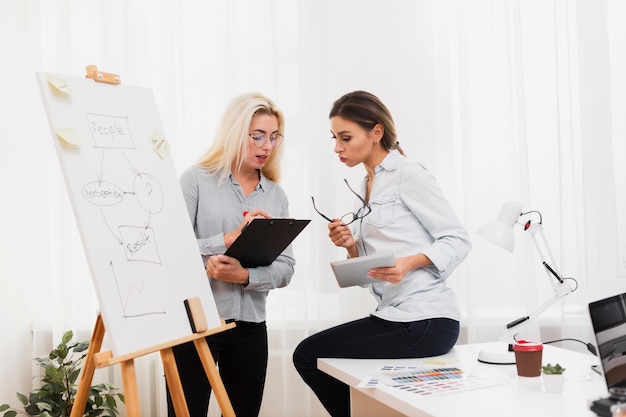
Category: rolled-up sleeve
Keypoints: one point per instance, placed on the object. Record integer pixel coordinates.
(450, 240)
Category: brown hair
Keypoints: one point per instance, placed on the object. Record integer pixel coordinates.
(366, 110)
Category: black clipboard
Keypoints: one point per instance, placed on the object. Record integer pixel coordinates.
(261, 241)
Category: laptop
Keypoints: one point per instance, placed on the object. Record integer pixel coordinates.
(608, 318)
(353, 271)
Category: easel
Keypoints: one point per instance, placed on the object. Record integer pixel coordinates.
(96, 359)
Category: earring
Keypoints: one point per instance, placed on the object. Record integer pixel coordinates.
(375, 142)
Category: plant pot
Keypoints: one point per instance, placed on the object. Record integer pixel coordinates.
(553, 383)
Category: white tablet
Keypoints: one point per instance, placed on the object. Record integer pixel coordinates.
(353, 271)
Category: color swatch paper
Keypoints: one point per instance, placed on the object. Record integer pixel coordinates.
(426, 381)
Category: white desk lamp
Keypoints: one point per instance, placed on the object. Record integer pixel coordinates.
(500, 232)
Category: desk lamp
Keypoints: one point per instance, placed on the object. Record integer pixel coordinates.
(500, 232)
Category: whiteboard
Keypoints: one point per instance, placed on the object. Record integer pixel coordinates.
(130, 211)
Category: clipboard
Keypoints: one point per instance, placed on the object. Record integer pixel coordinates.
(261, 241)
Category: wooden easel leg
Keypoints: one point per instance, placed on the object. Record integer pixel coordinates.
(214, 377)
(131, 393)
(84, 385)
(174, 385)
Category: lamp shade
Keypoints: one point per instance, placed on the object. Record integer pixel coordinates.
(500, 231)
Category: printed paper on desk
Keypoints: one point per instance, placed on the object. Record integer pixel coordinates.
(426, 381)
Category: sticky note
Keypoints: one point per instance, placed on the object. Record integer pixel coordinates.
(68, 135)
(159, 144)
(59, 83)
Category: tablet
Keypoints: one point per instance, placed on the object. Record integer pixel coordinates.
(262, 240)
(353, 271)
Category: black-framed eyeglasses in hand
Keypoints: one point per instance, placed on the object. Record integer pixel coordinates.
(351, 217)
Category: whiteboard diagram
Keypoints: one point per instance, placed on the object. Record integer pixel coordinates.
(129, 208)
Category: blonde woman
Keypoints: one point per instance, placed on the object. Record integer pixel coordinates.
(235, 181)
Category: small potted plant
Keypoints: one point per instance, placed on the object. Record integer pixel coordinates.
(552, 376)
(59, 386)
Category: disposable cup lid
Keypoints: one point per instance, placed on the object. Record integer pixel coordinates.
(527, 346)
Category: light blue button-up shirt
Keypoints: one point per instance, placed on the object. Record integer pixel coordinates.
(411, 215)
(216, 207)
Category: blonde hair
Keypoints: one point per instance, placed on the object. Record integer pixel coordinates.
(230, 145)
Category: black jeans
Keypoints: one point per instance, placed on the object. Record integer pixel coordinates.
(368, 338)
(241, 355)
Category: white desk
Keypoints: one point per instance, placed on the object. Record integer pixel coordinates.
(515, 396)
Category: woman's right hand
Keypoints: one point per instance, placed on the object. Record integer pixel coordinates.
(341, 236)
(230, 237)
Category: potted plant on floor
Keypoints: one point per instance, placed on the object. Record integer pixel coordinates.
(553, 378)
(58, 391)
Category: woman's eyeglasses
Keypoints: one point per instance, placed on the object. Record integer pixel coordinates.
(351, 217)
(260, 138)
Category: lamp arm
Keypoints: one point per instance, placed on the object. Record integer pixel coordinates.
(545, 254)
(511, 329)
(560, 287)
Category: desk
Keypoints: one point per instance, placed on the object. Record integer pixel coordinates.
(514, 396)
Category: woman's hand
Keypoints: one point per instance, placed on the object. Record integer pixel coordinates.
(227, 269)
(230, 237)
(341, 236)
(395, 274)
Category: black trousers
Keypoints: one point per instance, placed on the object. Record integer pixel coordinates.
(241, 356)
(368, 338)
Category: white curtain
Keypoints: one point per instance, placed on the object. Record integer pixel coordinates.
(500, 100)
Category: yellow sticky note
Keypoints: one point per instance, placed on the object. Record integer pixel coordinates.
(68, 135)
(59, 83)
(160, 145)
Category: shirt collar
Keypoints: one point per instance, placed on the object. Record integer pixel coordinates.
(262, 185)
(391, 161)
(262, 181)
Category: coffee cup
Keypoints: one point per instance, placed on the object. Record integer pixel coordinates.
(528, 357)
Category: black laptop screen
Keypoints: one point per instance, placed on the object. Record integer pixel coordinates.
(607, 313)
(608, 317)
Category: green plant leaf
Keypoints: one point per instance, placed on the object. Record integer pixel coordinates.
(549, 369)
(44, 406)
(67, 336)
(73, 376)
(23, 398)
(61, 369)
(81, 347)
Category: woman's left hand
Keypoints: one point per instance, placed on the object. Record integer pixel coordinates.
(403, 266)
(227, 269)
(393, 274)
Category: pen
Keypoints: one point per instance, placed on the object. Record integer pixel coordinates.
(245, 213)
(244, 227)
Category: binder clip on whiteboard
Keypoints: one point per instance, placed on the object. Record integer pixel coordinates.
(103, 77)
